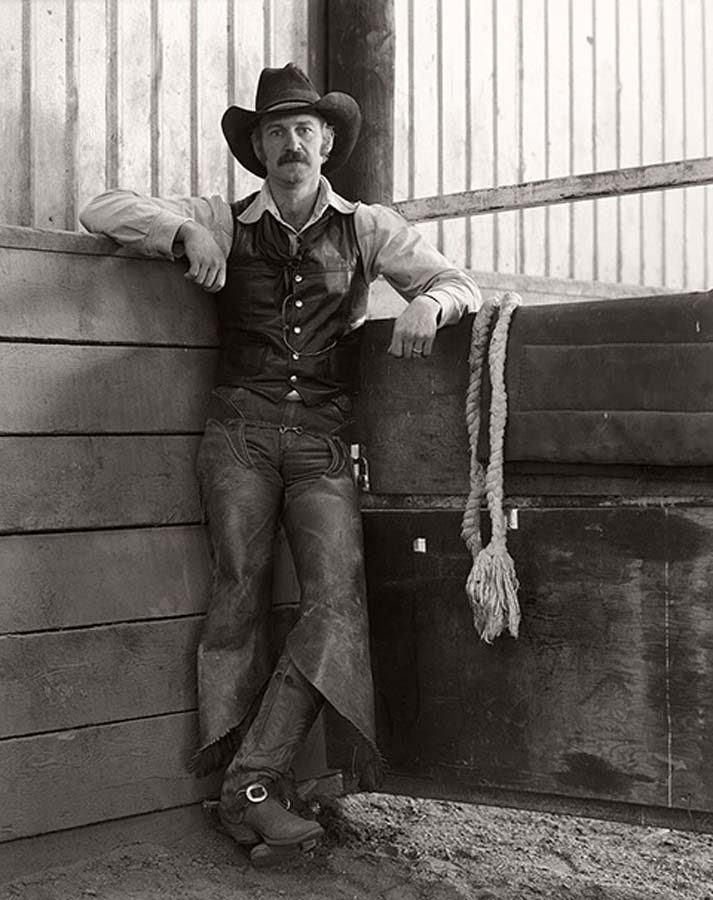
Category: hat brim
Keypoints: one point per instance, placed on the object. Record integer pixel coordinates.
(339, 110)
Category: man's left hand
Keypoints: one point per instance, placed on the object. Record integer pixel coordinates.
(415, 329)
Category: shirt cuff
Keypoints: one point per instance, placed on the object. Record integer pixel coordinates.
(162, 233)
(448, 312)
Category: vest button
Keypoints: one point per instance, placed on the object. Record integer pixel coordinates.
(297, 329)
(298, 278)
(295, 356)
(299, 304)
(293, 378)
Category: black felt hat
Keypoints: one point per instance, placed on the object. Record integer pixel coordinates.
(288, 90)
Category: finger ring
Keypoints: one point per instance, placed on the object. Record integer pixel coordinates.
(417, 352)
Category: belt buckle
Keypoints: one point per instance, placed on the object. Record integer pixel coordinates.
(256, 793)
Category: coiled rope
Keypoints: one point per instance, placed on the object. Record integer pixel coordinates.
(492, 583)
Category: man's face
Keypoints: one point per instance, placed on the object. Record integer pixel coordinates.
(292, 147)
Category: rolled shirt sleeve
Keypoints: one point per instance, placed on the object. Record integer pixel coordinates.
(149, 225)
(393, 248)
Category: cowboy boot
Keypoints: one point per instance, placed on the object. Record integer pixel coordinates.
(250, 808)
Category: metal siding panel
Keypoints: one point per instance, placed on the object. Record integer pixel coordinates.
(453, 137)
(175, 98)
(91, 80)
(212, 49)
(402, 119)
(249, 29)
(425, 108)
(134, 95)
(674, 143)
(13, 124)
(533, 134)
(49, 123)
(651, 145)
(629, 131)
(606, 135)
(558, 131)
(289, 29)
(582, 148)
(482, 104)
(506, 124)
(694, 142)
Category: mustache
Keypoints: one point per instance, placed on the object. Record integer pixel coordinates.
(292, 156)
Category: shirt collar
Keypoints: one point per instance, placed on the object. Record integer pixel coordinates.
(326, 197)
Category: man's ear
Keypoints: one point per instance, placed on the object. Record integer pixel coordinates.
(327, 140)
(256, 138)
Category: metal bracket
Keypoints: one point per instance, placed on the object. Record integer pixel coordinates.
(360, 467)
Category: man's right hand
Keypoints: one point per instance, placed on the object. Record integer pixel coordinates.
(207, 263)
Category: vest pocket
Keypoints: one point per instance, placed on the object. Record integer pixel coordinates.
(245, 358)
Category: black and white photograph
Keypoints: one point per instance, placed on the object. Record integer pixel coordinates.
(356, 449)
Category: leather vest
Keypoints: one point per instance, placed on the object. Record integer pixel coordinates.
(285, 314)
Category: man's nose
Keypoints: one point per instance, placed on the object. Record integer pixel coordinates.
(293, 141)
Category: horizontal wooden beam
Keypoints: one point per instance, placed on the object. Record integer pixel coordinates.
(613, 183)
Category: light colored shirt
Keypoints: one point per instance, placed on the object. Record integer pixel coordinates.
(389, 246)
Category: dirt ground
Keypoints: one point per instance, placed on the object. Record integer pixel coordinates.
(390, 848)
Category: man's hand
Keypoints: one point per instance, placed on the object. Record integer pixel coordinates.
(207, 262)
(415, 329)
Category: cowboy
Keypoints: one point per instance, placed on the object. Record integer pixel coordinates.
(291, 266)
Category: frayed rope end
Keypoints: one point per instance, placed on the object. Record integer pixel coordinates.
(492, 587)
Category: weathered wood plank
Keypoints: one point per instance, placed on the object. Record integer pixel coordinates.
(88, 676)
(576, 706)
(384, 302)
(87, 298)
(689, 538)
(72, 389)
(615, 182)
(93, 577)
(56, 781)
(361, 62)
(100, 482)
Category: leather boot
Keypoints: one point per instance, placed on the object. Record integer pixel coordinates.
(249, 808)
(257, 814)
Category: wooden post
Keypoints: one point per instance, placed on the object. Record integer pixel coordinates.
(360, 61)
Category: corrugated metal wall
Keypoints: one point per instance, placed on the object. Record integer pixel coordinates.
(102, 93)
(130, 92)
(504, 91)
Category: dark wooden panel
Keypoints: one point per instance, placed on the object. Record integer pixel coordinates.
(412, 423)
(616, 482)
(86, 676)
(412, 414)
(86, 578)
(90, 298)
(576, 706)
(70, 389)
(454, 785)
(689, 596)
(70, 778)
(54, 483)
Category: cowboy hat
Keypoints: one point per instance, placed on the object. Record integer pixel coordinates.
(289, 90)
